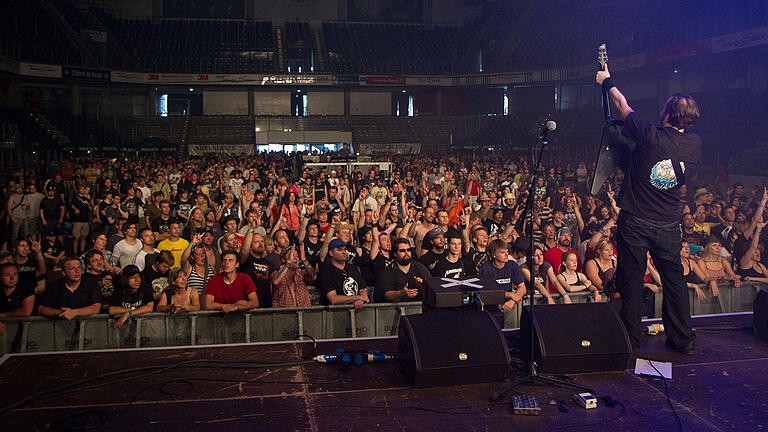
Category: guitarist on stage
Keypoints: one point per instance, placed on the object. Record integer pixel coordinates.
(650, 217)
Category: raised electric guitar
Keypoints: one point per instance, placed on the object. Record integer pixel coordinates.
(613, 145)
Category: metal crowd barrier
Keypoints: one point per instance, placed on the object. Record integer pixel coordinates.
(38, 334)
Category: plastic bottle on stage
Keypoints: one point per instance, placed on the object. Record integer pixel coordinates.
(654, 329)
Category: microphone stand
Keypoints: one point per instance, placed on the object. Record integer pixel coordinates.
(532, 375)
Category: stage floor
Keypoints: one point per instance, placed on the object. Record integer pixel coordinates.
(723, 387)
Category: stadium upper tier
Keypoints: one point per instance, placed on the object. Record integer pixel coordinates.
(502, 38)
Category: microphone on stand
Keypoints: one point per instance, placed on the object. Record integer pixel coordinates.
(547, 127)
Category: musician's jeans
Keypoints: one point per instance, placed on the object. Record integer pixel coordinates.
(637, 236)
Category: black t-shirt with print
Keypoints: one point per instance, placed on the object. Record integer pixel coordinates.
(650, 189)
(259, 270)
(125, 299)
(347, 282)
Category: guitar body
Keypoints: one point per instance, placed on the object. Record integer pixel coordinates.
(615, 147)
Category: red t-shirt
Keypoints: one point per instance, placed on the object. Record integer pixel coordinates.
(554, 256)
(230, 293)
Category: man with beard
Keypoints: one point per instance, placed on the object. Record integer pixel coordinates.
(554, 255)
(402, 280)
(340, 282)
(254, 263)
(418, 232)
(436, 239)
(451, 265)
(690, 234)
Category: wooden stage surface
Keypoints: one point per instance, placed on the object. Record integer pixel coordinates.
(723, 387)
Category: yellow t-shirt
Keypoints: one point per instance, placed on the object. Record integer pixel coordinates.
(176, 248)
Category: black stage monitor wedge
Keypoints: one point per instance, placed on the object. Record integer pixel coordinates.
(760, 315)
(451, 293)
(574, 338)
(448, 347)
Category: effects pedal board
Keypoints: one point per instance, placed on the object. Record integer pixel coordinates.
(525, 405)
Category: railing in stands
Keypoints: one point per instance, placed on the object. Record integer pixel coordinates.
(38, 334)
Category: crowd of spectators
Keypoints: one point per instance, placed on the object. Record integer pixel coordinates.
(132, 236)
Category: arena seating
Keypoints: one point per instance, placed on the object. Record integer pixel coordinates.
(30, 33)
(505, 37)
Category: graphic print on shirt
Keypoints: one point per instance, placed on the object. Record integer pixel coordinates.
(663, 175)
(350, 286)
(453, 273)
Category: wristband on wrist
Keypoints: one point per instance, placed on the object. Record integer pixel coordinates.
(608, 84)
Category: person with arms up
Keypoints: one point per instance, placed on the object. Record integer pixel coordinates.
(649, 218)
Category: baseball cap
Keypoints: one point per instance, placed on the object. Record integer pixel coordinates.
(434, 233)
(337, 243)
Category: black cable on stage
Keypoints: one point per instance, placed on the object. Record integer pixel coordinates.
(669, 399)
(314, 346)
(153, 370)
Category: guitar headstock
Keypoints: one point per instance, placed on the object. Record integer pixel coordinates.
(602, 56)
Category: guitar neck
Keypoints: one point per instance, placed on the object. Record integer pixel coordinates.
(607, 106)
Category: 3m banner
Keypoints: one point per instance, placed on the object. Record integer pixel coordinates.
(40, 70)
(381, 80)
(230, 149)
(692, 49)
(82, 73)
(511, 78)
(429, 81)
(352, 80)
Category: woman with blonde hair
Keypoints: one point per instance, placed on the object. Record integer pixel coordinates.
(230, 242)
(715, 267)
(603, 261)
